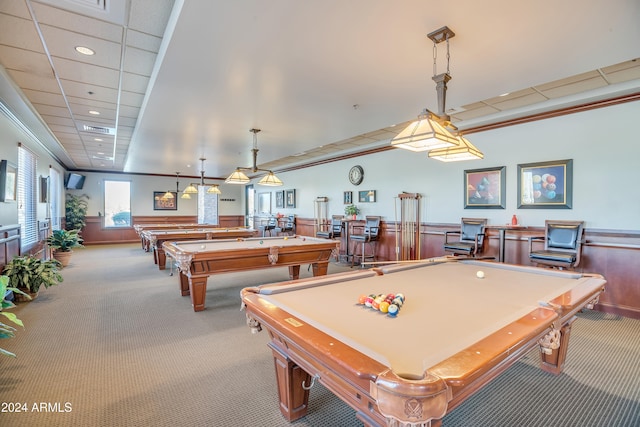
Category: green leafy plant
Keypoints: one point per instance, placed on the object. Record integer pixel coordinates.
(76, 211)
(8, 331)
(351, 210)
(28, 273)
(64, 240)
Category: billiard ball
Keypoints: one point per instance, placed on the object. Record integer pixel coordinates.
(286, 238)
(392, 310)
(261, 242)
(384, 306)
(361, 299)
(480, 274)
(202, 246)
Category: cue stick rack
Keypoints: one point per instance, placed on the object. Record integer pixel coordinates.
(321, 214)
(408, 234)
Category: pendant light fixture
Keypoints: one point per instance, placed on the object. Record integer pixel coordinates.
(239, 177)
(212, 189)
(430, 131)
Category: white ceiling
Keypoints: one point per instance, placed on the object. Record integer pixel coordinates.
(175, 81)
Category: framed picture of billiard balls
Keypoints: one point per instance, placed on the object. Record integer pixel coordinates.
(545, 185)
(485, 188)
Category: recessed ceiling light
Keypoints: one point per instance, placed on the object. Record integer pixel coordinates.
(505, 94)
(85, 50)
(98, 139)
(94, 112)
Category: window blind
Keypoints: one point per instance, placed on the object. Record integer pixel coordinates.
(27, 192)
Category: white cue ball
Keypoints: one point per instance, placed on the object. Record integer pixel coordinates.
(202, 246)
(480, 274)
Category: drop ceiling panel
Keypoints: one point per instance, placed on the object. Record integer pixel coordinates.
(50, 110)
(46, 98)
(19, 33)
(519, 102)
(139, 61)
(25, 60)
(34, 82)
(134, 83)
(76, 23)
(81, 90)
(578, 86)
(62, 44)
(88, 73)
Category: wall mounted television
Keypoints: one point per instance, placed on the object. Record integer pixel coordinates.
(74, 181)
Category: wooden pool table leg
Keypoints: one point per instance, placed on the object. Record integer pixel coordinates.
(198, 290)
(294, 399)
(554, 362)
(162, 258)
(294, 272)
(320, 268)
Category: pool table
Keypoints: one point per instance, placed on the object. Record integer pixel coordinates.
(156, 238)
(454, 333)
(199, 259)
(139, 228)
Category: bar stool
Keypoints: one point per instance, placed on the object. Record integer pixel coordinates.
(370, 235)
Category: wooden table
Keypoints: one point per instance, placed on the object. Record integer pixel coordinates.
(197, 260)
(454, 333)
(139, 228)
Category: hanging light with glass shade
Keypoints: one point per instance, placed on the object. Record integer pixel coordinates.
(239, 177)
(431, 131)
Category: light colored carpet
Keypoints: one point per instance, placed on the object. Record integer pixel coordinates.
(119, 346)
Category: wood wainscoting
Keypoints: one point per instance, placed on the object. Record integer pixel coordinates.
(615, 254)
(94, 232)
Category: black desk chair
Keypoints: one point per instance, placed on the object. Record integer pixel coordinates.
(370, 235)
(335, 229)
(471, 238)
(289, 225)
(270, 227)
(562, 245)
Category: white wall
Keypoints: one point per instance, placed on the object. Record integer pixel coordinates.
(10, 136)
(603, 144)
(142, 189)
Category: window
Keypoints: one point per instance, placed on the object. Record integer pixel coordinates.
(117, 203)
(27, 198)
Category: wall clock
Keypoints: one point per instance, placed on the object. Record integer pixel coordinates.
(356, 175)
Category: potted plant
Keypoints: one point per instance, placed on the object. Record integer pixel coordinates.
(351, 210)
(28, 273)
(8, 331)
(62, 242)
(76, 211)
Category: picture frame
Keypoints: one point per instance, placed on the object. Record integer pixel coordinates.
(545, 185)
(485, 188)
(367, 196)
(160, 204)
(280, 199)
(347, 197)
(44, 189)
(264, 203)
(290, 198)
(8, 181)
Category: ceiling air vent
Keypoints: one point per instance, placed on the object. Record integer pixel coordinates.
(99, 129)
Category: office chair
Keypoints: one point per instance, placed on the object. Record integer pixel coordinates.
(562, 245)
(472, 237)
